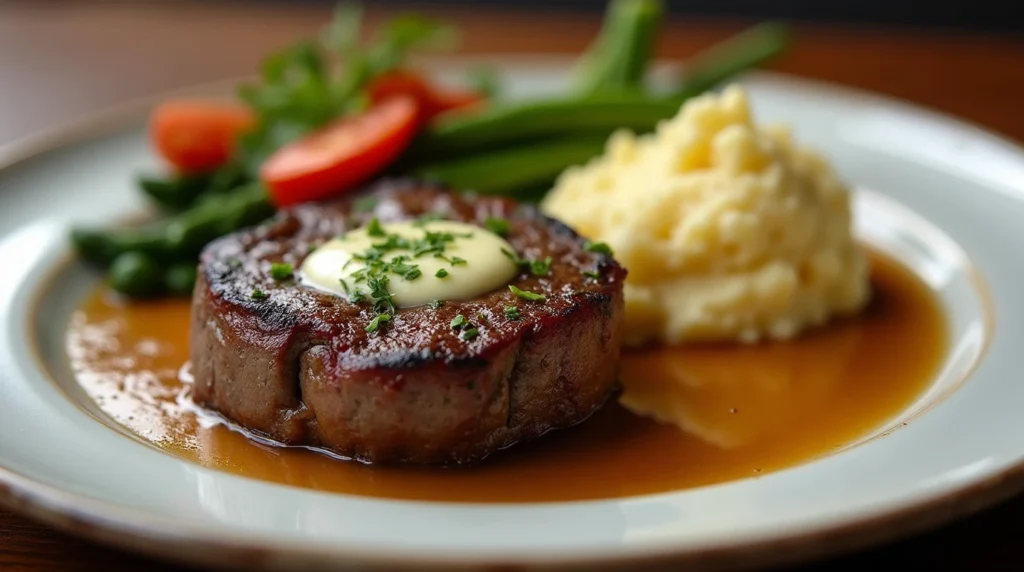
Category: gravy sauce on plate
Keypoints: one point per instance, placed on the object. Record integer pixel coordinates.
(727, 412)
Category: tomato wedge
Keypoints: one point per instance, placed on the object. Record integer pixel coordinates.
(334, 159)
(195, 135)
(432, 101)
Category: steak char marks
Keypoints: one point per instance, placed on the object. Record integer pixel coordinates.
(296, 364)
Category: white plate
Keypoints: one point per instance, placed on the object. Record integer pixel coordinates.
(930, 189)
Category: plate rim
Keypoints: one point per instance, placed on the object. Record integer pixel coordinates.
(140, 532)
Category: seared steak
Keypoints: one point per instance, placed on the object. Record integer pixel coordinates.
(296, 364)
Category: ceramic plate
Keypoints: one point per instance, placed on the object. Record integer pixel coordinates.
(943, 197)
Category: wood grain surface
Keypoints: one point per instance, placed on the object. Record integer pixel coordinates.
(62, 60)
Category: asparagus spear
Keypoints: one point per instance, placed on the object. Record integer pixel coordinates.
(618, 57)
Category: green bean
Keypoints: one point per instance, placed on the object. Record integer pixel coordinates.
(137, 275)
(180, 237)
(724, 60)
(523, 122)
(101, 246)
(179, 192)
(618, 57)
(508, 171)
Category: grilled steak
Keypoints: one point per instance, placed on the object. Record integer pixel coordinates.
(296, 364)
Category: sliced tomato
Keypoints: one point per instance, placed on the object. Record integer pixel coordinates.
(432, 100)
(195, 135)
(333, 160)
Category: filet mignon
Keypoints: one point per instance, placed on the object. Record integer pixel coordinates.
(296, 364)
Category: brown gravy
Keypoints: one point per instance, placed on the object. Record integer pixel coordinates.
(746, 410)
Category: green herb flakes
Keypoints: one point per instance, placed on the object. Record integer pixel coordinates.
(435, 304)
(592, 274)
(498, 226)
(281, 271)
(512, 313)
(458, 322)
(376, 322)
(598, 247)
(375, 229)
(441, 273)
(469, 333)
(531, 296)
(258, 295)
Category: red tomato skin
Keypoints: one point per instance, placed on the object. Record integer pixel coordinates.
(196, 136)
(342, 155)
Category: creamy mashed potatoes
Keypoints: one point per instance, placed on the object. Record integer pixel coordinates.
(729, 231)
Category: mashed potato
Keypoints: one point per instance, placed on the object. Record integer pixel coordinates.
(729, 231)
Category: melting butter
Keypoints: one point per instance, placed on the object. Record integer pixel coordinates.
(472, 263)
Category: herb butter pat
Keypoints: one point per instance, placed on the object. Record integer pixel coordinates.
(730, 231)
(422, 260)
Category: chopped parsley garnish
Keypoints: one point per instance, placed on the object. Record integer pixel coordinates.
(435, 304)
(481, 318)
(598, 247)
(280, 271)
(376, 322)
(531, 296)
(258, 294)
(375, 229)
(379, 266)
(540, 267)
(592, 274)
(344, 286)
(536, 267)
(469, 333)
(365, 204)
(458, 321)
(498, 226)
(512, 313)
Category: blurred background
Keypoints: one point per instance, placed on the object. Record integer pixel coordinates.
(61, 59)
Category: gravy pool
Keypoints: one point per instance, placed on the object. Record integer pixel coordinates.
(726, 412)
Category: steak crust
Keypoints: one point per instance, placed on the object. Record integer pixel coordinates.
(298, 366)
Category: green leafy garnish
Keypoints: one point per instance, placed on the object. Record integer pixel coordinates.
(455, 261)
(536, 267)
(540, 267)
(377, 321)
(512, 312)
(498, 226)
(258, 294)
(592, 274)
(531, 296)
(441, 273)
(281, 271)
(458, 321)
(308, 84)
(435, 304)
(374, 228)
(469, 333)
(598, 247)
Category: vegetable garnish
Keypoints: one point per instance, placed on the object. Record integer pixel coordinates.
(374, 228)
(281, 271)
(498, 226)
(536, 267)
(258, 294)
(197, 136)
(458, 321)
(435, 304)
(340, 156)
(598, 247)
(592, 274)
(469, 333)
(512, 312)
(531, 296)
(441, 273)
(376, 322)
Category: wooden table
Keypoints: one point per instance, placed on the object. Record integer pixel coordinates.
(60, 60)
